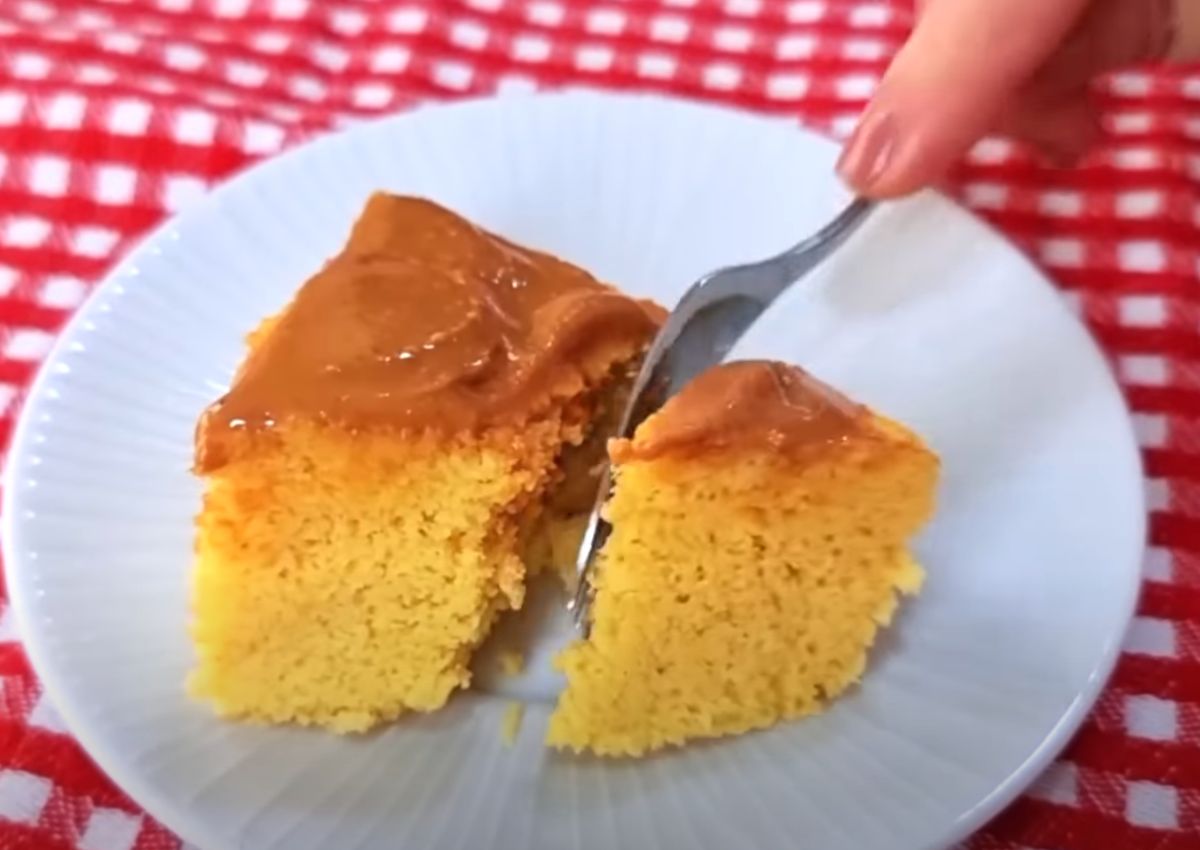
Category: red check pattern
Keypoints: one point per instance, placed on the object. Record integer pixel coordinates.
(115, 114)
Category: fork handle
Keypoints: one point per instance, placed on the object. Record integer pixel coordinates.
(809, 252)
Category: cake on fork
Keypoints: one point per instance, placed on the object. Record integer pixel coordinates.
(760, 538)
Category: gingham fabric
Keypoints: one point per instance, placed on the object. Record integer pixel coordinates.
(115, 114)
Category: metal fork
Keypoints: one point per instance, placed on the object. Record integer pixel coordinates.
(709, 319)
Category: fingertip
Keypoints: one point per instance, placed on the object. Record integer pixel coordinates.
(868, 152)
(894, 151)
(946, 88)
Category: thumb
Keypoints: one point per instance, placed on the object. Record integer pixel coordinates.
(948, 85)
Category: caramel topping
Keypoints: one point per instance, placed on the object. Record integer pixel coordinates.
(754, 403)
(426, 321)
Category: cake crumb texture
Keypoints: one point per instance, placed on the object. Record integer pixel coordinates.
(342, 581)
(741, 587)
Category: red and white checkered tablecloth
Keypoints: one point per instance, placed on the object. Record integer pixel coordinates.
(114, 113)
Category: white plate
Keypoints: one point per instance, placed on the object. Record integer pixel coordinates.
(1032, 559)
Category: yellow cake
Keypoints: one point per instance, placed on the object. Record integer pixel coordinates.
(760, 530)
(373, 475)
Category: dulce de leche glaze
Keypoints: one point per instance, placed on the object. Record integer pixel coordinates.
(426, 321)
(752, 403)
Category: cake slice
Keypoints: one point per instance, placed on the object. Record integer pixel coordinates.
(374, 473)
(760, 524)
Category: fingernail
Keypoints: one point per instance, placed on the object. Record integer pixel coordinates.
(869, 152)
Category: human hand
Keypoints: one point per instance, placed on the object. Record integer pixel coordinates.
(1023, 67)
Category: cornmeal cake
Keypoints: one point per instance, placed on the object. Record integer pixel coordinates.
(382, 461)
(760, 524)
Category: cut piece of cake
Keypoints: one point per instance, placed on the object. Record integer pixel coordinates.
(373, 475)
(760, 530)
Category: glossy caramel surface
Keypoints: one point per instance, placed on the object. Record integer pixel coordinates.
(747, 403)
(424, 321)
